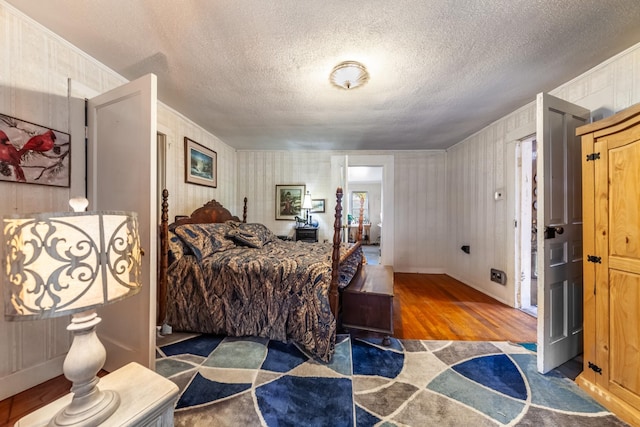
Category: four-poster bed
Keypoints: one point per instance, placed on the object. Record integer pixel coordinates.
(220, 274)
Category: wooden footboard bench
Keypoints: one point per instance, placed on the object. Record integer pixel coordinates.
(367, 303)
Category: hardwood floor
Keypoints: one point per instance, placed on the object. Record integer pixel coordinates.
(426, 306)
(438, 307)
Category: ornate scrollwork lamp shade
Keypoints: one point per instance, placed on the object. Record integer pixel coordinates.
(71, 263)
(64, 263)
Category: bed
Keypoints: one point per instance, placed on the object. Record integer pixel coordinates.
(222, 275)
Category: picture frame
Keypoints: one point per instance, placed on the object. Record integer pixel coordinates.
(200, 164)
(317, 205)
(289, 201)
(34, 154)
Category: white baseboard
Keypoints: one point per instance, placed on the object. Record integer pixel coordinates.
(29, 377)
(419, 270)
(484, 291)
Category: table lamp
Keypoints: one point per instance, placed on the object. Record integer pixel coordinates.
(70, 263)
(306, 205)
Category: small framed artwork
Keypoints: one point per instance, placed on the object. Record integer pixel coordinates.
(34, 154)
(317, 206)
(289, 201)
(200, 164)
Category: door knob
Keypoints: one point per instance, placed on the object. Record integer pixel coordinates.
(550, 232)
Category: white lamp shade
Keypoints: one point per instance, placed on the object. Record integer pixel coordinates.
(306, 203)
(63, 263)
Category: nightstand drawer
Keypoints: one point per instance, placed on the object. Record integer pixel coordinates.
(307, 234)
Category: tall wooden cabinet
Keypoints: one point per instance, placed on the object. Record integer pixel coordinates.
(611, 203)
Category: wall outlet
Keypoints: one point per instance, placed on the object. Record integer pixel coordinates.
(498, 276)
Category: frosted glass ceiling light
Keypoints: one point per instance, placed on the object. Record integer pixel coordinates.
(349, 75)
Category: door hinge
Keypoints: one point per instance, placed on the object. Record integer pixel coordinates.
(593, 156)
(594, 259)
(597, 369)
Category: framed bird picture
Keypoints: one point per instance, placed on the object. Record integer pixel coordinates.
(33, 154)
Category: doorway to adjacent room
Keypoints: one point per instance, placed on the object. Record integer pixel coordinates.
(365, 198)
(380, 231)
(528, 206)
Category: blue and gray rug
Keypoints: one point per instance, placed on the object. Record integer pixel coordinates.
(257, 382)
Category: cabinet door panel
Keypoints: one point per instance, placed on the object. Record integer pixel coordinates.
(624, 201)
(624, 337)
(618, 176)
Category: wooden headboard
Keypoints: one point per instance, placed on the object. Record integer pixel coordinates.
(211, 212)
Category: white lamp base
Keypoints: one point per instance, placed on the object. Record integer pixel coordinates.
(89, 406)
(101, 407)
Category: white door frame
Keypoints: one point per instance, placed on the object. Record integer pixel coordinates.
(515, 229)
(388, 205)
(525, 201)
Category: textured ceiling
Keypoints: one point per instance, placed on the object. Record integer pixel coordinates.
(255, 72)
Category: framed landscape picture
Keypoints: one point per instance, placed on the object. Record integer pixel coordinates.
(200, 164)
(33, 154)
(317, 206)
(289, 201)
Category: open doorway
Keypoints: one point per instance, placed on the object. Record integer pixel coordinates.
(339, 178)
(527, 252)
(364, 219)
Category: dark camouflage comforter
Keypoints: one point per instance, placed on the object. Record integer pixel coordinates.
(241, 280)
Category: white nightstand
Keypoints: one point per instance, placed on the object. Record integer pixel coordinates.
(146, 399)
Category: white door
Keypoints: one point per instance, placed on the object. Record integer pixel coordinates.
(121, 175)
(559, 239)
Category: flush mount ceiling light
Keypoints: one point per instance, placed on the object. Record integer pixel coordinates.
(349, 75)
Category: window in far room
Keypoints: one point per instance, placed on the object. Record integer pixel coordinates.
(359, 199)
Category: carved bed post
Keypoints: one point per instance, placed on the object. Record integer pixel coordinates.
(164, 259)
(334, 297)
(244, 211)
(360, 219)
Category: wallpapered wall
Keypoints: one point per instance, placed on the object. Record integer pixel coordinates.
(35, 68)
(419, 198)
(479, 166)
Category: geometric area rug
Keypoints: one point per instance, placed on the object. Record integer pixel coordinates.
(257, 382)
